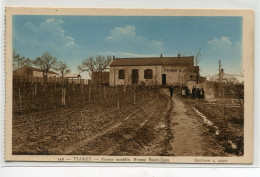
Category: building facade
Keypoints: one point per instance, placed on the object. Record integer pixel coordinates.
(161, 71)
(30, 72)
(100, 78)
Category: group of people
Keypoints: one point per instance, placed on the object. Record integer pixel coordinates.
(195, 93)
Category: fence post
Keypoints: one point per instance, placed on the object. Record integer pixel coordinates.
(82, 87)
(105, 92)
(20, 99)
(81, 119)
(62, 96)
(35, 89)
(63, 100)
(89, 92)
(134, 95)
(24, 85)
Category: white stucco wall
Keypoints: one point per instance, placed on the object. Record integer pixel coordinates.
(39, 74)
(175, 74)
(114, 80)
(172, 77)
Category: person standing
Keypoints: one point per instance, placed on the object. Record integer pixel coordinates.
(202, 93)
(198, 93)
(171, 90)
(187, 92)
(193, 93)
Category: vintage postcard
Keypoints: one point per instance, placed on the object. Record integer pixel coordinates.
(129, 85)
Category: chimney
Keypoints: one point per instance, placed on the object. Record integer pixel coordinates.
(161, 55)
(114, 58)
(179, 55)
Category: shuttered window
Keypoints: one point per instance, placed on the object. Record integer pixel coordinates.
(121, 74)
(148, 74)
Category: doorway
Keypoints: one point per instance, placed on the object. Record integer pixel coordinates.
(135, 76)
(163, 79)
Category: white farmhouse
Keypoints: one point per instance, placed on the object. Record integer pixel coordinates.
(160, 71)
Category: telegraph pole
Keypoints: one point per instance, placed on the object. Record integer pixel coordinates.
(219, 70)
(219, 76)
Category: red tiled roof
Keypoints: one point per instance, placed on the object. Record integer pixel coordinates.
(153, 61)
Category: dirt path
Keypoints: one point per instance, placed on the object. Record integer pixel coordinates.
(191, 137)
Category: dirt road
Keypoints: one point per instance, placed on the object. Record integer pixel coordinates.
(191, 137)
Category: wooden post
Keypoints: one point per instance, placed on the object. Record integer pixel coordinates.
(134, 95)
(20, 99)
(105, 92)
(35, 89)
(124, 88)
(89, 92)
(24, 86)
(81, 119)
(63, 98)
(82, 87)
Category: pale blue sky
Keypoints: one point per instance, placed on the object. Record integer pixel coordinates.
(74, 38)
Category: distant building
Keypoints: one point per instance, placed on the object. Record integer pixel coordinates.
(223, 77)
(153, 71)
(100, 78)
(73, 78)
(30, 72)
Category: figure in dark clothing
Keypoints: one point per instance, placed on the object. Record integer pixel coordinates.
(187, 92)
(202, 93)
(193, 92)
(171, 90)
(198, 93)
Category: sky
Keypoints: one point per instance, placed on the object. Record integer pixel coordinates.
(74, 38)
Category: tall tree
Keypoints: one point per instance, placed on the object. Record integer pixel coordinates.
(27, 62)
(97, 64)
(17, 59)
(62, 68)
(197, 56)
(45, 63)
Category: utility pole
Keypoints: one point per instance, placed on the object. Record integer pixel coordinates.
(219, 70)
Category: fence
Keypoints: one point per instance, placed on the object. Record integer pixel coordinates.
(35, 95)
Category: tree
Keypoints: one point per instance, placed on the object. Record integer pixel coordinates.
(197, 54)
(18, 59)
(45, 63)
(27, 62)
(98, 64)
(62, 68)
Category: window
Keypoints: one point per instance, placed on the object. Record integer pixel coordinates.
(121, 74)
(148, 74)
